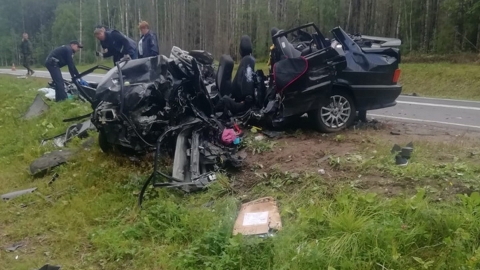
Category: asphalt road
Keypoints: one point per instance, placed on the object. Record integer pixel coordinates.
(458, 114)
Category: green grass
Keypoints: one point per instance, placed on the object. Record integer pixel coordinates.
(91, 220)
(444, 80)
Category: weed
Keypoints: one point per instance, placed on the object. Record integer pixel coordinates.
(258, 144)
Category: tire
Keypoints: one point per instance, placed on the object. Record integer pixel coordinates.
(338, 115)
(104, 144)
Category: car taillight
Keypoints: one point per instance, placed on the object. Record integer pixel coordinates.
(396, 75)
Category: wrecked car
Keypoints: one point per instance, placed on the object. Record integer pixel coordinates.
(330, 80)
(140, 99)
(368, 81)
(162, 105)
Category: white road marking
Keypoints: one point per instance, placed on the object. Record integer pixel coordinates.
(423, 121)
(442, 99)
(438, 105)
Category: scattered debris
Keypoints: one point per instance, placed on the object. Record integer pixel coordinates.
(228, 136)
(54, 178)
(403, 154)
(397, 133)
(401, 161)
(255, 129)
(14, 246)
(15, 194)
(37, 108)
(396, 148)
(76, 130)
(259, 138)
(260, 217)
(325, 158)
(406, 152)
(49, 92)
(371, 123)
(49, 161)
(50, 267)
(273, 134)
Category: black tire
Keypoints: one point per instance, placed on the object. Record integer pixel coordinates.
(340, 117)
(104, 144)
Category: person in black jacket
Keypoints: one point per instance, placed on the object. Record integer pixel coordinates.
(26, 50)
(115, 44)
(58, 58)
(148, 44)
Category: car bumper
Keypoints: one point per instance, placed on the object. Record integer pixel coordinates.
(373, 97)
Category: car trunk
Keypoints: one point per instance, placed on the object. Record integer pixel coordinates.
(367, 66)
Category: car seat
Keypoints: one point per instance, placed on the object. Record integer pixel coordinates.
(243, 84)
(287, 49)
(224, 75)
(237, 95)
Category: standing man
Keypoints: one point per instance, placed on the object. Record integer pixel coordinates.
(26, 50)
(115, 44)
(58, 58)
(148, 44)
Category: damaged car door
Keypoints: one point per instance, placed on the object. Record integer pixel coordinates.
(304, 78)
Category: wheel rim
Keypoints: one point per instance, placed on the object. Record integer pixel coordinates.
(337, 113)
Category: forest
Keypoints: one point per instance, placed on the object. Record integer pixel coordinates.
(424, 26)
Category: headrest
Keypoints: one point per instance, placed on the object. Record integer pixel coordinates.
(274, 31)
(246, 47)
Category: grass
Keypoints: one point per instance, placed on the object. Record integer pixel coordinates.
(443, 80)
(91, 221)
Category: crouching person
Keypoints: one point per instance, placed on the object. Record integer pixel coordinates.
(115, 44)
(58, 58)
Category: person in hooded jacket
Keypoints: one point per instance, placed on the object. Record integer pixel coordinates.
(148, 44)
(115, 44)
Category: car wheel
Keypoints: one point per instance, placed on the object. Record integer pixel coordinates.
(339, 114)
(103, 142)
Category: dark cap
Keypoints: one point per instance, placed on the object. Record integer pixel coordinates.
(76, 43)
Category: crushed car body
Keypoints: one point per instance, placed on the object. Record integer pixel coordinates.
(162, 105)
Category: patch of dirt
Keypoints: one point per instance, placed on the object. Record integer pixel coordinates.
(308, 152)
(441, 190)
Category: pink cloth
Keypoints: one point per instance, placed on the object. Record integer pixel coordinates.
(228, 136)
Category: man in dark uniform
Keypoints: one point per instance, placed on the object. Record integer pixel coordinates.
(58, 58)
(26, 50)
(115, 44)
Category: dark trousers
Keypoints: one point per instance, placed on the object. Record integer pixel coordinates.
(57, 78)
(26, 62)
(226, 104)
